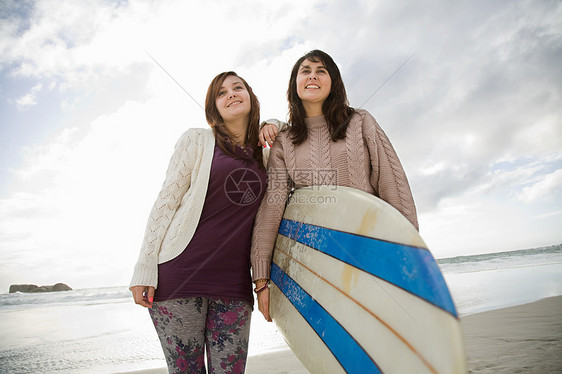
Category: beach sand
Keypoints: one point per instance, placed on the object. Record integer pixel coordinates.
(521, 339)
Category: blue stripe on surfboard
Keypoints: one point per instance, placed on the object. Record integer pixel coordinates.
(410, 268)
(345, 349)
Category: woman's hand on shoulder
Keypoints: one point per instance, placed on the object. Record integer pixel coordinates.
(267, 135)
(143, 295)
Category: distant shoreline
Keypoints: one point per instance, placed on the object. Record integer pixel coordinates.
(489, 255)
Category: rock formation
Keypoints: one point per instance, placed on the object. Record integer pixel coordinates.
(35, 288)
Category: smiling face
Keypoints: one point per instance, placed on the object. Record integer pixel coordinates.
(313, 83)
(233, 100)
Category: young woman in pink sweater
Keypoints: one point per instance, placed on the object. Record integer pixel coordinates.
(327, 142)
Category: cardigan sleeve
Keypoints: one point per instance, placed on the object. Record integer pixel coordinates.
(388, 177)
(176, 184)
(270, 213)
(281, 126)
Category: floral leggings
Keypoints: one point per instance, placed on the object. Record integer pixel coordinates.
(185, 326)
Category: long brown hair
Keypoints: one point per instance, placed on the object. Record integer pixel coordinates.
(336, 108)
(220, 130)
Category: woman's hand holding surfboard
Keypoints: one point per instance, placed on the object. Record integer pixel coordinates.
(263, 304)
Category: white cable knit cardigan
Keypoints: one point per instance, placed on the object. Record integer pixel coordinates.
(176, 212)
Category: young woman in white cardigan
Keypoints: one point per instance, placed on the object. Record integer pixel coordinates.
(193, 270)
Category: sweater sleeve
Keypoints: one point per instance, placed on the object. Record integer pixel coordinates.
(176, 184)
(269, 213)
(387, 174)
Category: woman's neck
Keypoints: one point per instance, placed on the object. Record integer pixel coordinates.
(238, 129)
(312, 109)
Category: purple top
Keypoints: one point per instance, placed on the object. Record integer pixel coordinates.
(216, 262)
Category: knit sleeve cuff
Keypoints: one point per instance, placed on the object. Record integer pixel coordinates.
(145, 275)
(261, 269)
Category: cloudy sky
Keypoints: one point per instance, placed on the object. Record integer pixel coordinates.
(469, 92)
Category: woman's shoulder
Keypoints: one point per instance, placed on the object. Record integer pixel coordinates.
(282, 138)
(362, 121)
(362, 115)
(198, 132)
(193, 138)
(365, 120)
(197, 135)
(281, 145)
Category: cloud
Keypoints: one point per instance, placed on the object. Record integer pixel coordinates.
(29, 99)
(545, 189)
(59, 37)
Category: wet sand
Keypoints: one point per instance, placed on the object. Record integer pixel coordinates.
(521, 339)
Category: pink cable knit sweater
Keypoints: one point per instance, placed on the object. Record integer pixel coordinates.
(365, 160)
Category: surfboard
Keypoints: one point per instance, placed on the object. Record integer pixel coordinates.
(355, 289)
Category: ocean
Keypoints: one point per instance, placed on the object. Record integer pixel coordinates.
(103, 331)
